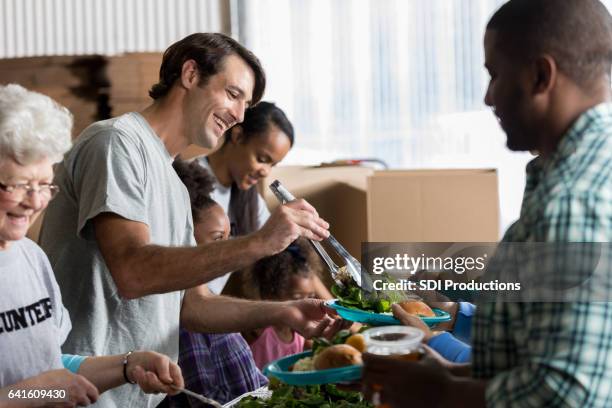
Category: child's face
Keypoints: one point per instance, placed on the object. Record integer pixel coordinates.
(301, 287)
(213, 226)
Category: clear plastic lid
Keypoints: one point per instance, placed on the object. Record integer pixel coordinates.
(391, 340)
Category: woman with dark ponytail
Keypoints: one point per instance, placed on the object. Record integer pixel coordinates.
(248, 153)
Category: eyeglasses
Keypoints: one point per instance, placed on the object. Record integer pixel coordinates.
(18, 191)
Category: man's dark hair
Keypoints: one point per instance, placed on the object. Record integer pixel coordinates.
(209, 51)
(244, 205)
(576, 33)
(199, 182)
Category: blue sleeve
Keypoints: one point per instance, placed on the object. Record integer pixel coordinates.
(450, 348)
(463, 322)
(72, 363)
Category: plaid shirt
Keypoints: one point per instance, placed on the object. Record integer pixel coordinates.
(555, 354)
(219, 366)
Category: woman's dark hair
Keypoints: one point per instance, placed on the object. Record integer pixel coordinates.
(244, 205)
(199, 183)
(209, 51)
(272, 275)
(257, 121)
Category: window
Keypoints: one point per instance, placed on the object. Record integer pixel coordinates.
(398, 80)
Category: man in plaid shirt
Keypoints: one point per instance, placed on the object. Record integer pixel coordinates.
(550, 64)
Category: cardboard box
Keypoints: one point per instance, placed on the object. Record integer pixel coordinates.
(61, 78)
(338, 194)
(363, 205)
(433, 206)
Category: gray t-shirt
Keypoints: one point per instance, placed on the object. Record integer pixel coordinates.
(222, 195)
(118, 166)
(33, 321)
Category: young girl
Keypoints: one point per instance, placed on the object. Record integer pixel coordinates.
(288, 275)
(210, 222)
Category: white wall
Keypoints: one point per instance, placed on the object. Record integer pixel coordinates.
(30, 28)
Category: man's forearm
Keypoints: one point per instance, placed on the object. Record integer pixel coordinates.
(155, 269)
(230, 314)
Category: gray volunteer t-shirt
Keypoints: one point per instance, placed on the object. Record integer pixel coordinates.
(118, 166)
(33, 321)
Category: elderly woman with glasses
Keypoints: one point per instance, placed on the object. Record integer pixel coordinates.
(34, 134)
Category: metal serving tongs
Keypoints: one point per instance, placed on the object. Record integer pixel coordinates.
(198, 397)
(353, 266)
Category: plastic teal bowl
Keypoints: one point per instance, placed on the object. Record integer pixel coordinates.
(377, 319)
(280, 370)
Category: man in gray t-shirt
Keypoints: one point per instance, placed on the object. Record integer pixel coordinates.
(120, 235)
(117, 166)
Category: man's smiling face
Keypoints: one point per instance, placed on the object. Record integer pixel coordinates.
(217, 105)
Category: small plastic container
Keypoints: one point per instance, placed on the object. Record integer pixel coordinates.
(401, 341)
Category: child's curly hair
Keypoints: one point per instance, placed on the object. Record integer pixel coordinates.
(272, 275)
(199, 182)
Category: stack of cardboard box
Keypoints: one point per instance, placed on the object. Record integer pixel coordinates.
(131, 76)
(364, 205)
(61, 78)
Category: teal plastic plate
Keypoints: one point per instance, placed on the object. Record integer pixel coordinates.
(280, 370)
(378, 319)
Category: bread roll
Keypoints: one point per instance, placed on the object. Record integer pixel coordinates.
(417, 308)
(358, 341)
(339, 355)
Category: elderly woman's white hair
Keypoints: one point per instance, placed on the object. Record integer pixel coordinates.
(32, 126)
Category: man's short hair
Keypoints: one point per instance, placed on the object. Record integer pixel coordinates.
(576, 33)
(208, 50)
